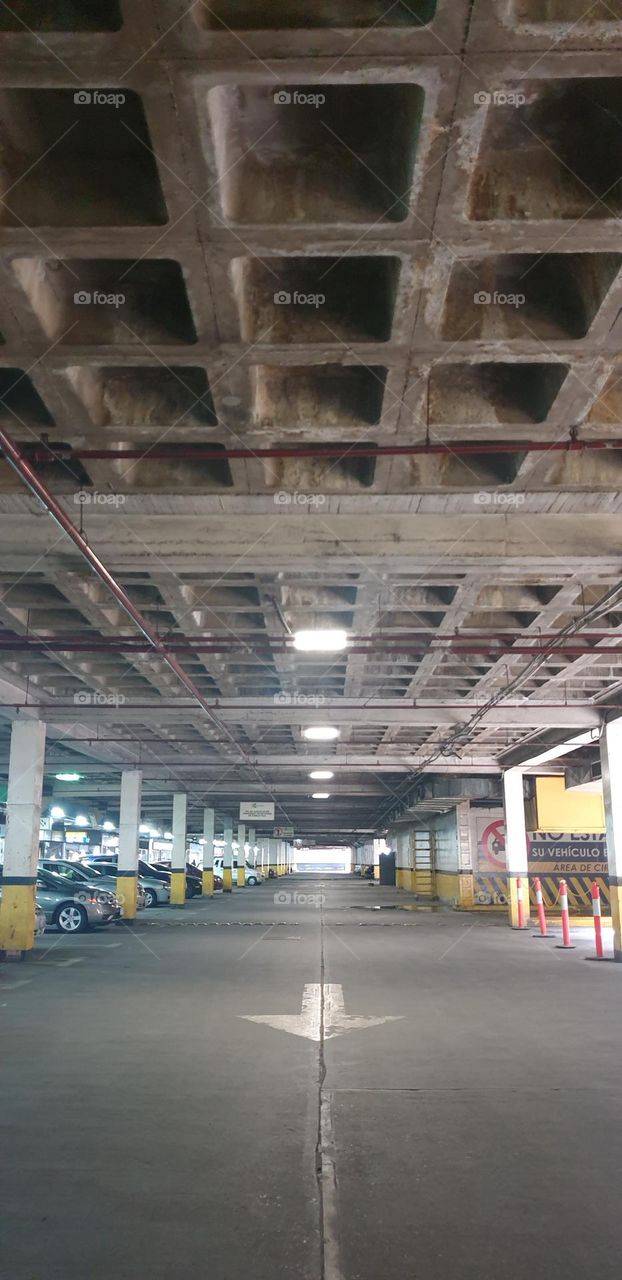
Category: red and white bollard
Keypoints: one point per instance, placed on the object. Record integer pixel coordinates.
(566, 944)
(540, 904)
(519, 903)
(598, 924)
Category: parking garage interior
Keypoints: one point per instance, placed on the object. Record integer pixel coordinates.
(310, 614)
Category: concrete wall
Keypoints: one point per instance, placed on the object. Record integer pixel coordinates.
(560, 810)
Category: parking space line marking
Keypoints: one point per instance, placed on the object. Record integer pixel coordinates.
(12, 986)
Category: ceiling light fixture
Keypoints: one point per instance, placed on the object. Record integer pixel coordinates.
(321, 775)
(321, 733)
(323, 640)
(108, 825)
(69, 777)
(321, 795)
(81, 820)
(56, 812)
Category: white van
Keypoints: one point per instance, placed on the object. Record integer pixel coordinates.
(253, 874)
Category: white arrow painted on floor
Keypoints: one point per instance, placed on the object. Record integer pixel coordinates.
(308, 1023)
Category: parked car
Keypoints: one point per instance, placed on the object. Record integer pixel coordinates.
(156, 884)
(194, 879)
(74, 908)
(81, 873)
(253, 874)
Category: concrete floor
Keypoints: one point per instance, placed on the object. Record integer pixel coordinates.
(148, 1130)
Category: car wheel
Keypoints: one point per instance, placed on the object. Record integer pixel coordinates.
(151, 899)
(72, 918)
(251, 880)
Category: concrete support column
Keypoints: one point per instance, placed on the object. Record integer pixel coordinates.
(178, 856)
(611, 761)
(515, 842)
(251, 840)
(466, 888)
(227, 857)
(377, 860)
(208, 853)
(21, 844)
(241, 881)
(129, 822)
(273, 854)
(400, 841)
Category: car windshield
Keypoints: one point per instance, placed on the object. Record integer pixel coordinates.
(50, 880)
(67, 870)
(146, 869)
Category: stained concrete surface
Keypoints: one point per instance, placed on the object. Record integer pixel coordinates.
(147, 1129)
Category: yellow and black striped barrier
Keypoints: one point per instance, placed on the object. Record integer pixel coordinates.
(492, 891)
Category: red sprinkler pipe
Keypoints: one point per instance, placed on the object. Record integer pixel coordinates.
(205, 454)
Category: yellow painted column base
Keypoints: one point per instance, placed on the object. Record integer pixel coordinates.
(615, 896)
(241, 878)
(208, 884)
(227, 880)
(127, 893)
(17, 917)
(178, 888)
(465, 892)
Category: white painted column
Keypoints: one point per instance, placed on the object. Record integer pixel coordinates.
(241, 881)
(129, 822)
(227, 856)
(515, 842)
(611, 762)
(21, 843)
(178, 855)
(251, 840)
(208, 853)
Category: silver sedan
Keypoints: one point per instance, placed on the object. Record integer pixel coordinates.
(73, 907)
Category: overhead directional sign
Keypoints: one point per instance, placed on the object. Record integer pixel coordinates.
(308, 1023)
(256, 811)
(283, 833)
